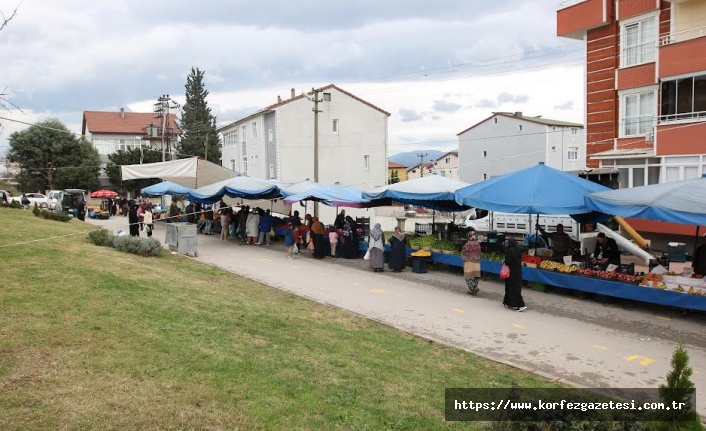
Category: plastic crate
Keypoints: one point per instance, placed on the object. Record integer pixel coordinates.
(419, 265)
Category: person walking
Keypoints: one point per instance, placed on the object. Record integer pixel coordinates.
(147, 219)
(513, 285)
(333, 240)
(81, 209)
(224, 212)
(173, 212)
(289, 239)
(376, 247)
(133, 219)
(471, 262)
(398, 251)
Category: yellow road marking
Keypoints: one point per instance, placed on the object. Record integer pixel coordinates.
(377, 290)
(321, 273)
(295, 267)
(265, 260)
(696, 371)
(517, 325)
(458, 310)
(399, 295)
(355, 284)
(644, 361)
(664, 318)
(596, 346)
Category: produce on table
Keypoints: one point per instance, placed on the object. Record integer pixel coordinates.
(421, 253)
(526, 258)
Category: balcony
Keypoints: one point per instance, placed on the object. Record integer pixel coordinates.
(682, 53)
(680, 139)
(576, 18)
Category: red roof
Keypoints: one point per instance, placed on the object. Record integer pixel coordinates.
(123, 123)
(395, 165)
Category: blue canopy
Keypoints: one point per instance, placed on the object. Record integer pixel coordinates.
(535, 190)
(296, 188)
(238, 187)
(165, 188)
(676, 202)
(433, 191)
(335, 195)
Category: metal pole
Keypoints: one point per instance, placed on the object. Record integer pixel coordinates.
(316, 144)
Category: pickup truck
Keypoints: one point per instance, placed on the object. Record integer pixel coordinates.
(34, 198)
(484, 221)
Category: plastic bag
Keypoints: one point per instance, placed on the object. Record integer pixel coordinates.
(295, 249)
(367, 255)
(505, 272)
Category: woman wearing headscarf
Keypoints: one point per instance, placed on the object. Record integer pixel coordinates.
(252, 228)
(349, 249)
(471, 262)
(513, 285)
(133, 219)
(317, 237)
(376, 247)
(398, 251)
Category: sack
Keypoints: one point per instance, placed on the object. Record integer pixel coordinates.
(367, 255)
(272, 233)
(311, 246)
(295, 249)
(505, 272)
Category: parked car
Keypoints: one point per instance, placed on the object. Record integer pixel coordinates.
(34, 198)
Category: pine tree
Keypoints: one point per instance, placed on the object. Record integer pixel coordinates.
(679, 389)
(198, 126)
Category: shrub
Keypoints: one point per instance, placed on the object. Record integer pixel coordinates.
(137, 245)
(51, 215)
(35, 210)
(14, 204)
(100, 237)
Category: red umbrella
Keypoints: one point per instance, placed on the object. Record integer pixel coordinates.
(103, 194)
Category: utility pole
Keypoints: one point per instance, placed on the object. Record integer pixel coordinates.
(421, 163)
(161, 109)
(205, 144)
(316, 143)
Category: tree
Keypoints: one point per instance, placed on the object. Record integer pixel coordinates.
(199, 135)
(52, 157)
(679, 389)
(131, 157)
(394, 177)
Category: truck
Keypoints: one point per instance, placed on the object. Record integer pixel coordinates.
(67, 200)
(522, 225)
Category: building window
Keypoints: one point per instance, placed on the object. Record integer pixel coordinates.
(272, 171)
(574, 131)
(335, 126)
(573, 153)
(443, 173)
(485, 154)
(519, 127)
(270, 135)
(447, 160)
(684, 98)
(245, 166)
(485, 176)
(638, 112)
(242, 129)
(254, 129)
(243, 149)
(236, 140)
(495, 121)
(638, 41)
(366, 162)
(232, 164)
(327, 97)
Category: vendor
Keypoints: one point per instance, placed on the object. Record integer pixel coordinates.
(606, 252)
(560, 240)
(699, 260)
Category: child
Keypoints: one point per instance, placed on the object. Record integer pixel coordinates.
(289, 239)
(147, 220)
(333, 239)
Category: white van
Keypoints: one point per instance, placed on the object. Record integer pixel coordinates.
(53, 198)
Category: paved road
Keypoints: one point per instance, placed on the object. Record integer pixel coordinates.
(582, 342)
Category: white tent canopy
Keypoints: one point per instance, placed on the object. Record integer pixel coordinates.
(192, 172)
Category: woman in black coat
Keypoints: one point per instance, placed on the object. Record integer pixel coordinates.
(133, 219)
(398, 251)
(513, 285)
(349, 249)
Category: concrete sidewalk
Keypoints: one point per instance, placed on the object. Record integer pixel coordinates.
(583, 342)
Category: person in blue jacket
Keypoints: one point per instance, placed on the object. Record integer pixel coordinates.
(265, 227)
(289, 239)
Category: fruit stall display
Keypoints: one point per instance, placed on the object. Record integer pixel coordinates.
(431, 242)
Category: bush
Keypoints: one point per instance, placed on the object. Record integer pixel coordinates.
(137, 245)
(101, 237)
(50, 215)
(14, 204)
(35, 210)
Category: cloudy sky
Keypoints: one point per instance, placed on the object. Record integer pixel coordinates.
(437, 67)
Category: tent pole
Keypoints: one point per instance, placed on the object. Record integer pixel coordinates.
(696, 241)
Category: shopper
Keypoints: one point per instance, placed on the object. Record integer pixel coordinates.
(471, 262)
(398, 251)
(513, 285)
(376, 248)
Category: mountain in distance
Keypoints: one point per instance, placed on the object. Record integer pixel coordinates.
(411, 158)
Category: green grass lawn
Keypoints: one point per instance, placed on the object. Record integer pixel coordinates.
(92, 338)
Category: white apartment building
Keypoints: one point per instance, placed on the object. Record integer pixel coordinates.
(506, 142)
(279, 142)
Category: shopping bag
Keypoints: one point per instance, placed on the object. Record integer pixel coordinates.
(295, 249)
(311, 245)
(367, 255)
(505, 272)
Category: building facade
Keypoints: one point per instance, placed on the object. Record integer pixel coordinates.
(110, 132)
(645, 88)
(418, 171)
(506, 142)
(396, 171)
(281, 142)
(447, 165)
